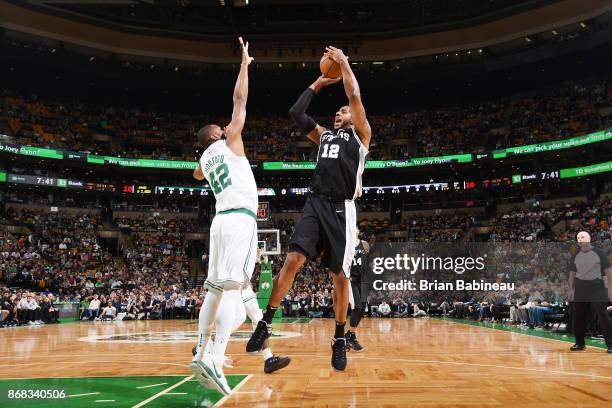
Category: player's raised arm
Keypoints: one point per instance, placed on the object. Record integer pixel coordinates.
(198, 174)
(351, 87)
(298, 110)
(233, 131)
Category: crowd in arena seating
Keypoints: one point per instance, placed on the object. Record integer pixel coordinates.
(573, 108)
(53, 249)
(156, 224)
(535, 224)
(60, 254)
(27, 308)
(148, 302)
(70, 124)
(158, 257)
(594, 218)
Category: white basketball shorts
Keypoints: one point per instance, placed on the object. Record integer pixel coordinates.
(233, 249)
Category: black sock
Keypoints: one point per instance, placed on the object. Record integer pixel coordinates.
(270, 310)
(339, 330)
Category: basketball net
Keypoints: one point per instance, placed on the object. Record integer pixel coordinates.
(261, 258)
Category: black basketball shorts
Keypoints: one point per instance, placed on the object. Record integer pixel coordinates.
(327, 228)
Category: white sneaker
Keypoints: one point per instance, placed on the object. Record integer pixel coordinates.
(209, 371)
(227, 362)
(197, 371)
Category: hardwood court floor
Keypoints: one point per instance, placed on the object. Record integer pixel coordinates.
(407, 362)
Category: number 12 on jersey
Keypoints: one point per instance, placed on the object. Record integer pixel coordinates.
(219, 178)
(330, 151)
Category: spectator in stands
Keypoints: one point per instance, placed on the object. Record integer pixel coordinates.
(384, 310)
(49, 314)
(93, 309)
(109, 312)
(179, 306)
(8, 310)
(29, 310)
(190, 306)
(401, 308)
(417, 311)
(538, 312)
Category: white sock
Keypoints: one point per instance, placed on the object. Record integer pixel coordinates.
(209, 344)
(206, 319)
(224, 321)
(267, 353)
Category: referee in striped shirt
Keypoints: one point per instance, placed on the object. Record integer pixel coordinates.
(587, 269)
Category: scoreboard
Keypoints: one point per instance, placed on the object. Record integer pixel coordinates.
(263, 211)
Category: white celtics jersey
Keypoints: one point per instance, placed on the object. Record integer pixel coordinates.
(230, 177)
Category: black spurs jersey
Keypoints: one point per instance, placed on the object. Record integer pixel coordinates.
(340, 164)
(359, 267)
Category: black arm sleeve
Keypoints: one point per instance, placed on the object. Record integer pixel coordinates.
(298, 111)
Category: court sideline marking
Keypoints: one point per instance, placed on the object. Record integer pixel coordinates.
(149, 386)
(77, 395)
(159, 394)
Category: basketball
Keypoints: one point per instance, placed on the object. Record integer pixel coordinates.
(329, 67)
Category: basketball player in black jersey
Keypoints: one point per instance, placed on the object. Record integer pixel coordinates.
(359, 292)
(328, 222)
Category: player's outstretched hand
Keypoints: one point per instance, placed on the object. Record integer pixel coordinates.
(324, 81)
(246, 58)
(336, 54)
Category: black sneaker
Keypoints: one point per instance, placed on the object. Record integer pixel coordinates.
(339, 354)
(275, 363)
(352, 343)
(194, 351)
(259, 337)
(577, 347)
(610, 348)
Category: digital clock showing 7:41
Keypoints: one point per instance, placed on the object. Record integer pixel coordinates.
(545, 175)
(47, 181)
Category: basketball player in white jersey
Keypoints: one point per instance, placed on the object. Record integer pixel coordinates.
(233, 238)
